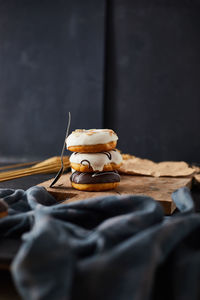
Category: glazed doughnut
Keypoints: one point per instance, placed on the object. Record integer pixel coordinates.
(92, 162)
(3, 208)
(92, 140)
(96, 181)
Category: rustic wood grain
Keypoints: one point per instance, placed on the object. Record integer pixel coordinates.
(158, 188)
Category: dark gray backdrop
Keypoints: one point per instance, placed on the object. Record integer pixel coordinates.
(153, 75)
(51, 62)
(133, 66)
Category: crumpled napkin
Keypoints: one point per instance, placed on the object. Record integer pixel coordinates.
(138, 166)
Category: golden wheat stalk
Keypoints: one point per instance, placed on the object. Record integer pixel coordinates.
(51, 165)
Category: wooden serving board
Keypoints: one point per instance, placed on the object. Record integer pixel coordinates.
(158, 188)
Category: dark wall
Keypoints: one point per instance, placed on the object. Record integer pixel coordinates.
(52, 58)
(153, 77)
(51, 62)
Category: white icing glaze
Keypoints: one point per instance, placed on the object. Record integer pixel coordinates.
(72, 170)
(91, 137)
(97, 160)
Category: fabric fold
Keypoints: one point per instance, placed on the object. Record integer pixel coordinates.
(115, 247)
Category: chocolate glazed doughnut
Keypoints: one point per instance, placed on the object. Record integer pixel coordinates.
(96, 181)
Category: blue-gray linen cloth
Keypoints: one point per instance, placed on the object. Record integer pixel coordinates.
(106, 248)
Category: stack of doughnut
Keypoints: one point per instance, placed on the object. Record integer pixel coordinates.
(94, 160)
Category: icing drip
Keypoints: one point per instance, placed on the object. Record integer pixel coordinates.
(87, 161)
(109, 155)
(102, 173)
